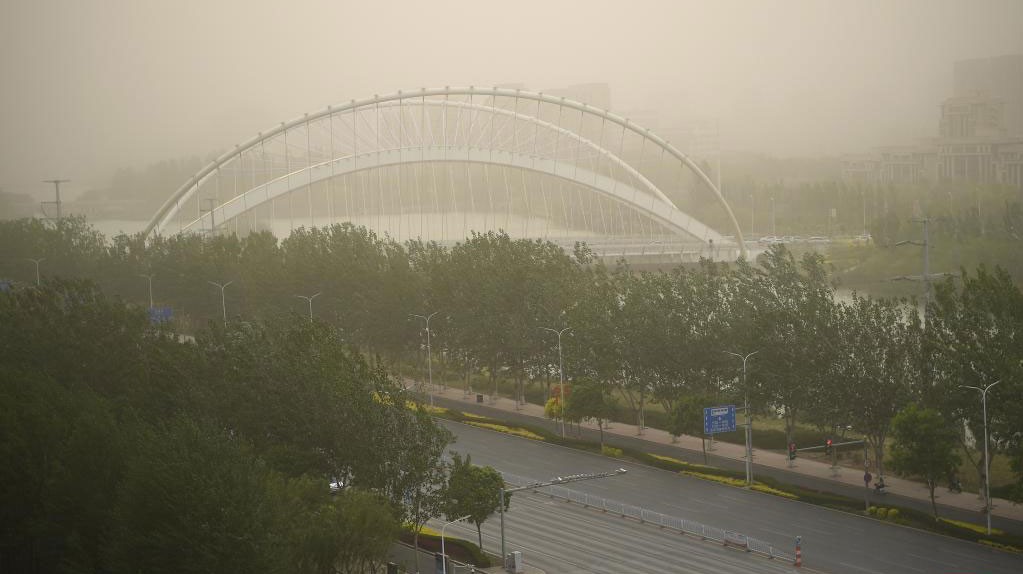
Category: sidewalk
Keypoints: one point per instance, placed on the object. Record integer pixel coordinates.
(843, 475)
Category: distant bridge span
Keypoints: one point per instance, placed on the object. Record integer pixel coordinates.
(623, 164)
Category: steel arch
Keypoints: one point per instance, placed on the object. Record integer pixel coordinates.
(660, 212)
(173, 204)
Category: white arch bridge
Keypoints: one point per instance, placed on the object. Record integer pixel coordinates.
(438, 164)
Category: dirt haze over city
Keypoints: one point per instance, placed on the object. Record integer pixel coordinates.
(90, 87)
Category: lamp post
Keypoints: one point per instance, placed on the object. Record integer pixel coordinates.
(37, 262)
(429, 351)
(443, 553)
(561, 375)
(223, 302)
(552, 482)
(149, 276)
(774, 229)
(987, 470)
(749, 420)
(309, 299)
(752, 214)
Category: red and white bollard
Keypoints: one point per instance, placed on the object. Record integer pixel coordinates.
(799, 552)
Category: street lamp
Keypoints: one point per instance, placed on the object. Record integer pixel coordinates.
(443, 554)
(223, 302)
(552, 482)
(987, 470)
(752, 214)
(561, 375)
(749, 420)
(37, 262)
(774, 229)
(309, 299)
(429, 351)
(150, 278)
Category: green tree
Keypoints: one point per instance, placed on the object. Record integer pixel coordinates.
(973, 338)
(925, 446)
(591, 400)
(877, 371)
(473, 491)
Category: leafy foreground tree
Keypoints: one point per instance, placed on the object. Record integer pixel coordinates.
(194, 457)
(925, 446)
(591, 400)
(473, 491)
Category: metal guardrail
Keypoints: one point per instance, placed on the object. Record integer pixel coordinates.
(642, 515)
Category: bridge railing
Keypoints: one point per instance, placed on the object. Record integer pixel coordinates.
(645, 516)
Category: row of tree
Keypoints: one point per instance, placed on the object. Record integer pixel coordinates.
(664, 337)
(259, 446)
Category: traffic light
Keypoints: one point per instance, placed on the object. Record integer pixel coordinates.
(827, 446)
(792, 451)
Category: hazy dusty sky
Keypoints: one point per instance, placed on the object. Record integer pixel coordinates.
(92, 85)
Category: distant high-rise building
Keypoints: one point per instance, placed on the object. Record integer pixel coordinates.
(1000, 77)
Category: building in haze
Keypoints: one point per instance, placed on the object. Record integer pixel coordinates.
(1000, 77)
(980, 134)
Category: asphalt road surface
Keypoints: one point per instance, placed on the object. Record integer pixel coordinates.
(563, 538)
(783, 475)
(832, 541)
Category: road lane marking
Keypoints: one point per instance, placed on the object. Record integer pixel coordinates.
(860, 568)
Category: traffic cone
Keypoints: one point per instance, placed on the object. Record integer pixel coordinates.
(799, 556)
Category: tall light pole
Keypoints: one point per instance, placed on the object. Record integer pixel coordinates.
(864, 196)
(561, 375)
(552, 482)
(149, 276)
(309, 299)
(223, 301)
(443, 554)
(429, 351)
(749, 419)
(774, 228)
(752, 213)
(37, 262)
(987, 470)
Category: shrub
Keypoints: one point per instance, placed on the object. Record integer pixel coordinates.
(1000, 546)
(768, 490)
(872, 510)
(882, 512)
(893, 514)
(509, 430)
(970, 526)
(611, 451)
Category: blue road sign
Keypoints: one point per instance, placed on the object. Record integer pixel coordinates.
(160, 314)
(718, 419)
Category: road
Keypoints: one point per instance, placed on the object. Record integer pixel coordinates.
(784, 475)
(832, 541)
(563, 538)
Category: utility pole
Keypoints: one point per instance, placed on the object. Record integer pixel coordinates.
(56, 188)
(927, 276)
